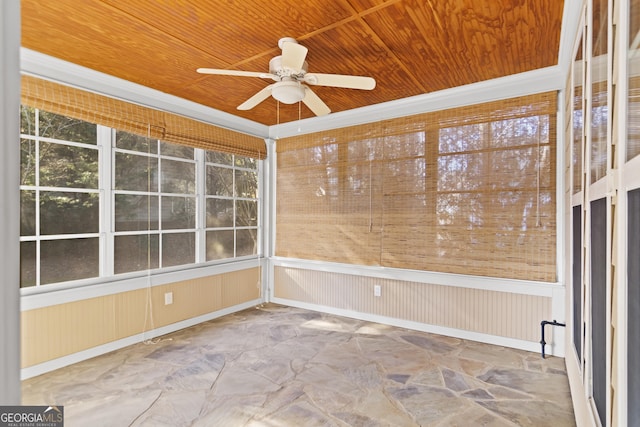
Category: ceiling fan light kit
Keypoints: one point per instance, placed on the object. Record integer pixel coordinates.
(288, 92)
(289, 71)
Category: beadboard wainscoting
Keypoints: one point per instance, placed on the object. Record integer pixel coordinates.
(65, 332)
(495, 311)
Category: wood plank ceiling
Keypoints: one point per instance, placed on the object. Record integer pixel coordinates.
(410, 47)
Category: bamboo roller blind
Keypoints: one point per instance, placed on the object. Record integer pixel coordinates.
(122, 115)
(469, 190)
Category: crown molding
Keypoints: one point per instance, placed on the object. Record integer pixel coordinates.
(536, 81)
(48, 67)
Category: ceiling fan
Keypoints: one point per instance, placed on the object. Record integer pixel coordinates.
(289, 71)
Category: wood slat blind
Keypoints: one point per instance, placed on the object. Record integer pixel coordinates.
(145, 121)
(469, 190)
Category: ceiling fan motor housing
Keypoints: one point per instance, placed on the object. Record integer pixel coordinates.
(276, 68)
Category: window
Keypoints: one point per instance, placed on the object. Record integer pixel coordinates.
(469, 190)
(98, 202)
(154, 189)
(59, 197)
(231, 206)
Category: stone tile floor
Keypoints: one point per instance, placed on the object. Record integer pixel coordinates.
(279, 366)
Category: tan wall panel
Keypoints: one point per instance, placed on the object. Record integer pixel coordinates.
(233, 294)
(60, 330)
(129, 313)
(56, 331)
(191, 298)
(489, 312)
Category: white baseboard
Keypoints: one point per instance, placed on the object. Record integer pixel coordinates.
(423, 327)
(70, 359)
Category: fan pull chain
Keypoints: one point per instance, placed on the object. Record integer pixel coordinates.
(299, 114)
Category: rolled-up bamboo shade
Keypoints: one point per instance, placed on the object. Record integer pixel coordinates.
(145, 121)
(469, 190)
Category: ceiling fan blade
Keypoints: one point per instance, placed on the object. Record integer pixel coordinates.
(238, 73)
(293, 56)
(256, 99)
(339, 80)
(314, 103)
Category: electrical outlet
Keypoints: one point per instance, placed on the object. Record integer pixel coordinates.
(377, 290)
(168, 298)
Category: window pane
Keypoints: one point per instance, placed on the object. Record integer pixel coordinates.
(461, 172)
(520, 131)
(576, 269)
(599, 323)
(599, 120)
(400, 175)
(599, 92)
(68, 166)
(129, 141)
(178, 177)
(27, 213)
(63, 260)
(27, 120)
(220, 158)
(69, 213)
(178, 212)
(246, 183)
(219, 181)
(219, 244)
(396, 146)
(136, 173)
(135, 253)
(27, 162)
(136, 212)
(247, 213)
(67, 129)
(633, 91)
(27, 264)
(175, 150)
(178, 249)
(247, 242)
(219, 213)
(462, 138)
(246, 162)
(577, 121)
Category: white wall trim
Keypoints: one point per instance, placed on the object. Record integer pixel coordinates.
(512, 286)
(10, 200)
(61, 362)
(537, 81)
(571, 21)
(424, 327)
(581, 409)
(62, 296)
(50, 68)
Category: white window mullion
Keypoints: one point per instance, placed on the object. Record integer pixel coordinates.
(201, 206)
(235, 207)
(37, 195)
(106, 172)
(158, 220)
